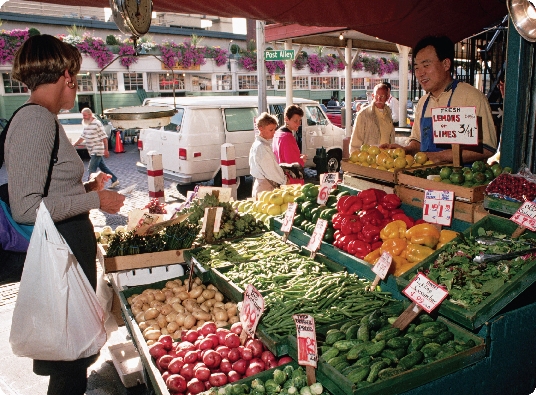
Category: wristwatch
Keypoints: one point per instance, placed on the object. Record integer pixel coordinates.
(132, 17)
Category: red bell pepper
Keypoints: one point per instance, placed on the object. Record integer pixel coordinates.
(351, 224)
(395, 211)
(369, 198)
(351, 205)
(390, 201)
(337, 220)
(370, 233)
(409, 222)
(359, 248)
(340, 203)
(376, 245)
(371, 216)
(384, 211)
(344, 240)
(379, 194)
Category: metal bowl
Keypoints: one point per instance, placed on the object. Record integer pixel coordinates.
(523, 14)
(139, 117)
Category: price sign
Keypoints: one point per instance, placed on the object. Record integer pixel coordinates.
(289, 217)
(438, 207)
(425, 293)
(381, 268)
(224, 194)
(526, 216)
(455, 125)
(318, 234)
(327, 181)
(306, 334)
(252, 309)
(217, 219)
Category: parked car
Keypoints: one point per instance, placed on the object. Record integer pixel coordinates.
(191, 144)
(72, 123)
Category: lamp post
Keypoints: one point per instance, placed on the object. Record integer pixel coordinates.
(229, 54)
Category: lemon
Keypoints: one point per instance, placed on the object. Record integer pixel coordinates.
(420, 157)
(392, 169)
(276, 198)
(428, 162)
(381, 168)
(400, 153)
(380, 159)
(273, 209)
(373, 150)
(371, 159)
(409, 160)
(354, 156)
(363, 157)
(400, 162)
(389, 163)
(365, 147)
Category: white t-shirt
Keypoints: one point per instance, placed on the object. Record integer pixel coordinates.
(93, 135)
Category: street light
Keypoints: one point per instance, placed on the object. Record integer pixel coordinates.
(229, 54)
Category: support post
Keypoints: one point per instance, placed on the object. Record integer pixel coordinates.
(228, 168)
(155, 176)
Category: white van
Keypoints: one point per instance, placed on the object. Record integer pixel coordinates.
(191, 144)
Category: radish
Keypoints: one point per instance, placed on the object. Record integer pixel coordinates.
(256, 347)
(163, 362)
(225, 366)
(187, 371)
(191, 357)
(218, 379)
(212, 359)
(233, 355)
(221, 333)
(267, 356)
(223, 351)
(202, 373)
(157, 350)
(206, 344)
(246, 353)
(254, 368)
(191, 336)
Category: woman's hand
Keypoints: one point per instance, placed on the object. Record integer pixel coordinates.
(97, 181)
(110, 201)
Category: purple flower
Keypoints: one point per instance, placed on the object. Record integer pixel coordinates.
(128, 51)
(275, 66)
(316, 64)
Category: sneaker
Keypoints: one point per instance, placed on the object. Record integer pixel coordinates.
(114, 184)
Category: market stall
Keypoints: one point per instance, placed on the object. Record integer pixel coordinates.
(473, 339)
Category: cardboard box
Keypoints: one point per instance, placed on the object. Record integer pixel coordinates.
(128, 364)
(475, 194)
(139, 261)
(415, 197)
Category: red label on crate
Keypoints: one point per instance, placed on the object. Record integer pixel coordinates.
(306, 335)
(318, 235)
(425, 293)
(438, 207)
(252, 309)
(526, 216)
(289, 217)
(327, 182)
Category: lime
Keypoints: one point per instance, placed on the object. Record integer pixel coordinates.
(459, 170)
(457, 178)
(489, 175)
(507, 170)
(496, 169)
(446, 181)
(478, 166)
(468, 175)
(445, 172)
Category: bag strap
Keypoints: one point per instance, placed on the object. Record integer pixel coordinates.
(55, 149)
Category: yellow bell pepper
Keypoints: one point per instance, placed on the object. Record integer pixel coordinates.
(447, 235)
(393, 246)
(395, 229)
(424, 234)
(415, 253)
(400, 265)
(373, 256)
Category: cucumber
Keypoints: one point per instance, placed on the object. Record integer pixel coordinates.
(425, 318)
(431, 350)
(353, 353)
(387, 334)
(387, 373)
(336, 360)
(411, 360)
(345, 345)
(373, 349)
(444, 337)
(334, 336)
(375, 323)
(344, 327)
(445, 353)
(375, 369)
(394, 355)
(351, 332)
(331, 353)
(363, 333)
(359, 374)
(341, 365)
(416, 344)
(437, 325)
(434, 331)
(399, 342)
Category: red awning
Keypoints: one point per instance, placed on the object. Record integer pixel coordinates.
(399, 21)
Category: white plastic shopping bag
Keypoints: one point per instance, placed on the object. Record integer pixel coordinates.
(57, 315)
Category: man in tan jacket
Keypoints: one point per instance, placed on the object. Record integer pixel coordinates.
(374, 123)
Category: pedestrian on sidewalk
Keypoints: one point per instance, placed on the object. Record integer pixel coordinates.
(96, 144)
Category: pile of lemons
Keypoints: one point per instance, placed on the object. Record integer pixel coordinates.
(270, 203)
(387, 159)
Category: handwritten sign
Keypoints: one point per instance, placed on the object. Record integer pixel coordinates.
(217, 220)
(252, 309)
(327, 181)
(455, 125)
(381, 268)
(425, 293)
(318, 235)
(306, 334)
(526, 216)
(438, 207)
(224, 194)
(286, 226)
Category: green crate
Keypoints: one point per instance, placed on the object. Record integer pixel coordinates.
(338, 384)
(474, 317)
(501, 205)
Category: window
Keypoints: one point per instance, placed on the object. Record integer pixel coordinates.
(176, 121)
(12, 86)
(239, 119)
(247, 82)
(167, 80)
(85, 83)
(395, 84)
(133, 81)
(300, 82)
(324, 82)
(108, 82)
(314, 116)
(224, 82)
(357, 83)
(282, 83)
(201, 83)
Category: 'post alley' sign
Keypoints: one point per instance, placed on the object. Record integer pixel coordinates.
(455, 125)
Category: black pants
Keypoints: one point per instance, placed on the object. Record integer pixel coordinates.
(70, 377)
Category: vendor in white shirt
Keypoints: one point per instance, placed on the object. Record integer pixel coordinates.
(262, 161)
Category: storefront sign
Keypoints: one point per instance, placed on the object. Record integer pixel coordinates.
(289, 217)
(526, 216)
(306, 335)
(425, 293)
(327, 182)
(455, 125)
(252, 309)
(438, 207)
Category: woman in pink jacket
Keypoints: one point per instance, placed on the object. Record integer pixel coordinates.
(284, 143)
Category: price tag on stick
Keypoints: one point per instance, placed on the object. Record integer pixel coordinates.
(307, 347)
(317, 236)
(327, 181)
(288, 219)
(381, 268)
(252, 309)
(525, 216)
(438, 207)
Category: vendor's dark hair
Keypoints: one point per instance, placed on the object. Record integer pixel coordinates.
(292, 110)
(443, 46)
(43, 59)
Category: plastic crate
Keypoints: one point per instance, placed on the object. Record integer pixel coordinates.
(128, 364)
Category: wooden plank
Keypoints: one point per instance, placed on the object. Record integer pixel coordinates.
(368, 171)
(139, 261)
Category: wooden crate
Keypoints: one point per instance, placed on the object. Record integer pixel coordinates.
(369, 172)
(475, 194)
(357, 182)
(415, 197)
(139, 261)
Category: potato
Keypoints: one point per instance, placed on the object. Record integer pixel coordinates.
(152, 334)
(171, 316)
(210, 302)
(166, 309)
(232, 311)
(156, 304)
(164, 331)
(191, 305)
(176, 335)
(159, 295)
(179, 308)
(205, 308)
(233, 319)
(212, 287)
(198, 281)
(220, 314)
(145, 307)
(200, 299)
(189, 321)
(173, 299)
(172, 327)
(173, 283)
(180, 319)
(177, 290)
(201, 315)
(183, 295)
(221, 324)
(151, 313)
(219, 305)
(151, 342)
(195, 292)
(208, 294)
(136, 309)
(143, 325)
(168, 294)
(162, 322)
(140, 317)
(218, 296)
